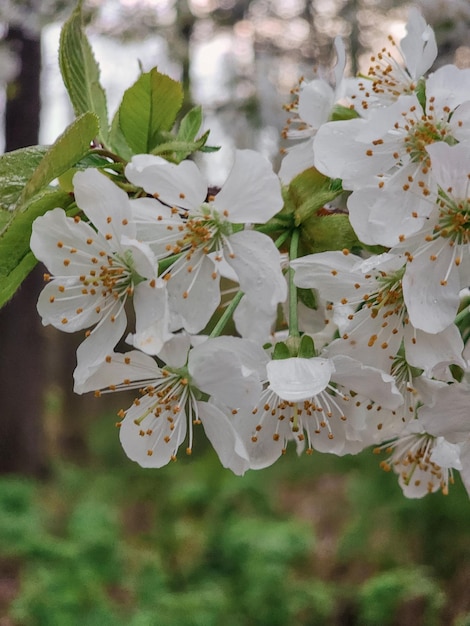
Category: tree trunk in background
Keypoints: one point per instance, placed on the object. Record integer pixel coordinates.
(22, 374)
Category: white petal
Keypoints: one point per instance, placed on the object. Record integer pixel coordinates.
(450, 167)
(316, 100)
(297, 159)
(333, 273)
(105, 204)
(131, 366)
(257, 263)
(419, 45)
(447, 414)
(152, 317)
(64, 305)
(370, 382)
(434, 352)
(230, 369)
(157, 448)
(180, 185)
(53, 237)
(448, 86)
(252, 322)
(224, 438)
(252, 192)
(338, 154)
(194, 296)
(431, 288)
(299, 379)
(99, 344)
(446, 454)
(266, 449)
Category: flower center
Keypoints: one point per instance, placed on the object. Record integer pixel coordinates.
(454, 219)
(410, 457)
(116, 276)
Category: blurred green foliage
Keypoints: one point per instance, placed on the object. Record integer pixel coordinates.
(316, 541)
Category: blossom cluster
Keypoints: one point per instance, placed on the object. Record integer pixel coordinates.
(345, 278)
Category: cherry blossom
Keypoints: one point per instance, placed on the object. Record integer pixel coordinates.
(201, 230)
(96, 267)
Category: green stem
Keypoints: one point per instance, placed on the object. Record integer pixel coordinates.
(281, 239)
(227, 314)
(293, 314)
(110, 155)
(462, 315)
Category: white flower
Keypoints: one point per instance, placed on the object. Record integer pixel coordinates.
(311, 109)
(388, 76)
(319, 403)
(429, 448)
(378, 318)
(384, 159)
(96, 268)
(438, 257)
(202, 230)
(174, 398)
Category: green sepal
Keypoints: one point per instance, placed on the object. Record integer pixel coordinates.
(306, 348)
(81, 73)
(310, 191)
(281, 351)
(16, 258)
(308, 298)
(16, 168)
(421, 92)
(148, 110)
(340, 112)
(328, 232)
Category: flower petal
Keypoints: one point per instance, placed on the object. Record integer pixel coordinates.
(252, 191)
(224, 438)
(299, 379)
(180, 185)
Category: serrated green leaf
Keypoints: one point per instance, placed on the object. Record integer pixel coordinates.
(16, 258)
(69, 148)
(81, 73)
(190, 125)
(149, 108)
(16, 168)
(117, 141)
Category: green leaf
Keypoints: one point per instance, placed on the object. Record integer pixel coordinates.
(190, 125)
(81, 73)
(15, 170)
(16, 258)
(178, 150)
(149, 108)
(117, 141)
(68, 149)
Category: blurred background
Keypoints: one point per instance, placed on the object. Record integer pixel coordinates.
(86, 536)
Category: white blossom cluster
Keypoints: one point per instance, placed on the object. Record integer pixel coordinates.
(379, 361)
